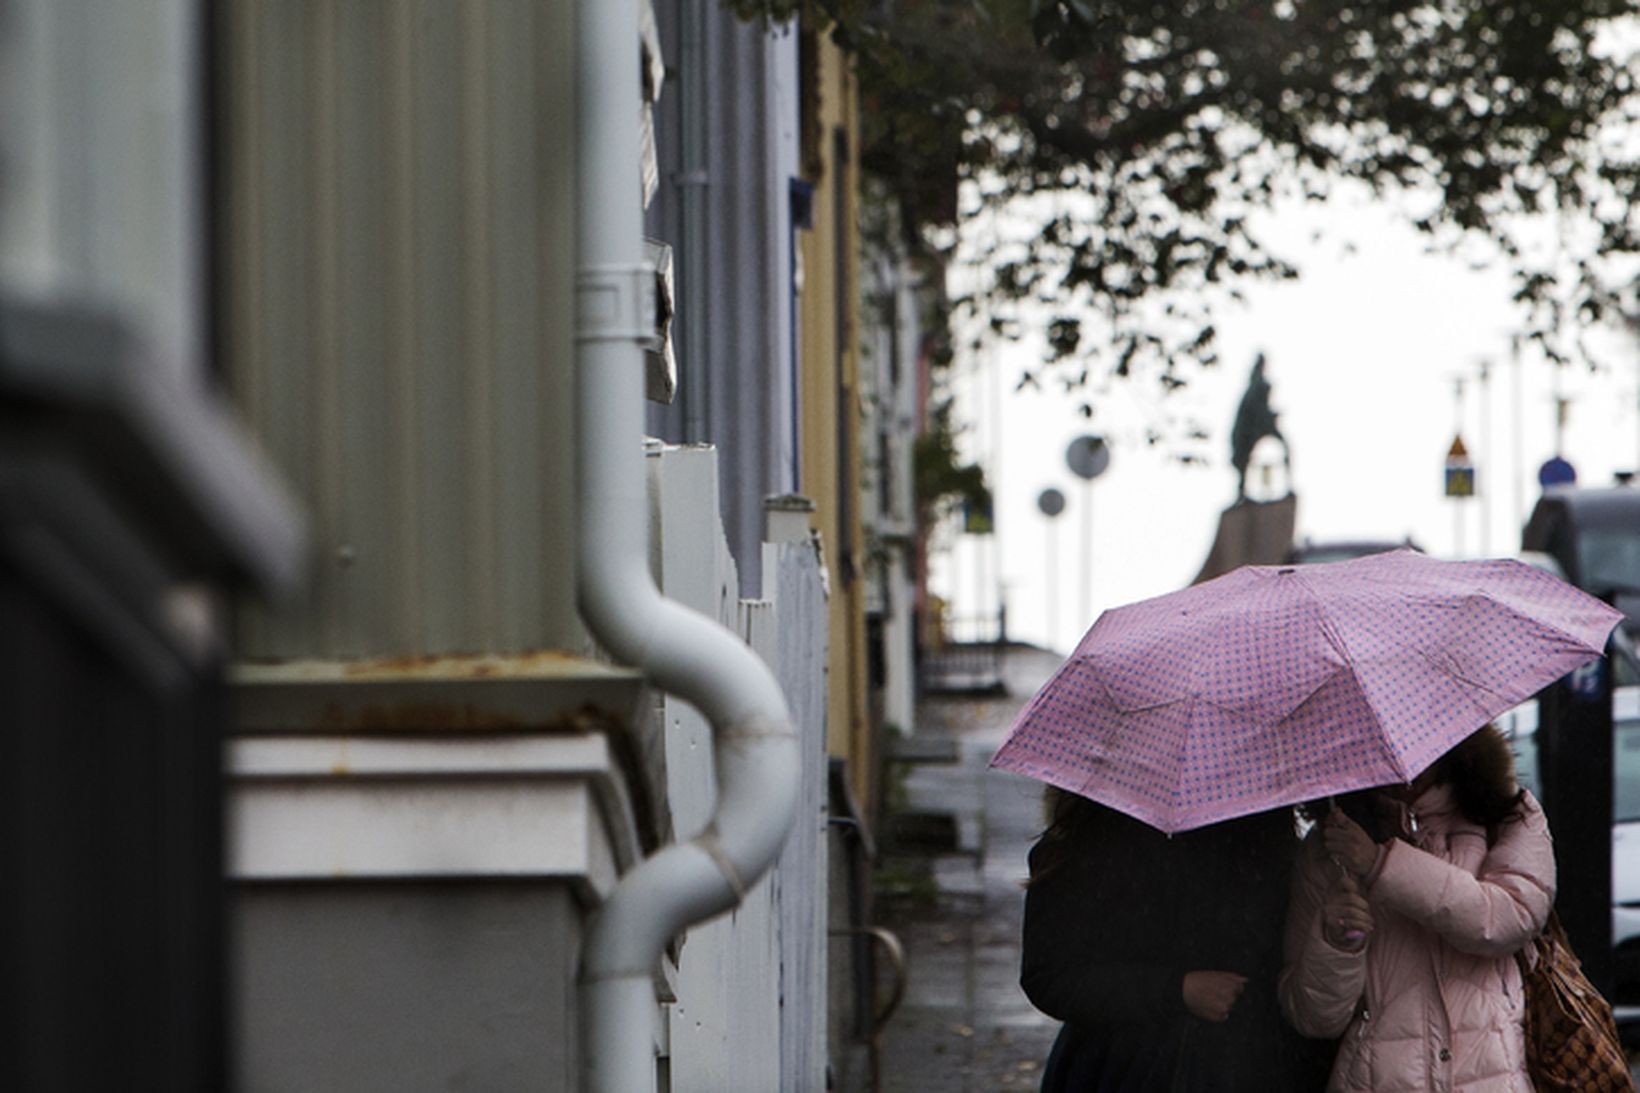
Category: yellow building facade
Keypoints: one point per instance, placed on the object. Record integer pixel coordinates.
(828, 361)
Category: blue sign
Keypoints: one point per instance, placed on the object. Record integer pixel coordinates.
(1556, 472)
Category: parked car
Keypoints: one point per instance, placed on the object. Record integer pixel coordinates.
(1519, 725)
(1590, 536)
(1312, 551)
(1592, 532)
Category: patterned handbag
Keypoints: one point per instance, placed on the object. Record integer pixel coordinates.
(1571, 1039)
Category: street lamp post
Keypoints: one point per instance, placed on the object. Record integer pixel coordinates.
(1088, 457)
(1052, 503)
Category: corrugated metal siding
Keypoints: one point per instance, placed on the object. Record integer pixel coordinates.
(737, 391)
(399, 200)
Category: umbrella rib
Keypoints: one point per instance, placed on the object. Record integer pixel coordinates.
(1452, 673)
(1385, 747)
(1445, 669)
(1385, 750)
(1542, 624)
(1100, 746)
(1335, 637)
(1096, 775)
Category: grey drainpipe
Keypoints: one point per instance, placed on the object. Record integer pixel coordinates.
(693, 183)
(679, 650)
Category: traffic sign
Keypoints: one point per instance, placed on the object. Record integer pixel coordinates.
(1460, 481)
(1556, 472)
(1088, 456)
(1460, 472)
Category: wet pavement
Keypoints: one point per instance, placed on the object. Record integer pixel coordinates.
(956, 901)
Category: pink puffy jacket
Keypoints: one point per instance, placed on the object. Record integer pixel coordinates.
(1433, 1002)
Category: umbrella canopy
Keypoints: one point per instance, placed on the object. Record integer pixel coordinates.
(1272, 685)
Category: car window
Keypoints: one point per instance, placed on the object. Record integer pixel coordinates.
(1609, 560)
(1519, 727)
(1626, 773)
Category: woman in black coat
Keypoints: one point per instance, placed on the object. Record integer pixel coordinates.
(1160, 955)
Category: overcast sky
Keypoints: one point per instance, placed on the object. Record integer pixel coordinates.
(1363, 353)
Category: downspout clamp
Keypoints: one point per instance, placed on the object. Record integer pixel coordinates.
(681, 651)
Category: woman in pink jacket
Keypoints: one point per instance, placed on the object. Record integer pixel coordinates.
(1404, 945)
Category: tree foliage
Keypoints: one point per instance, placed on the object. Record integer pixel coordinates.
(1146, 135)
(941, 481)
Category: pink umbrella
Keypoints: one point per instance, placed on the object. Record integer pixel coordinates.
(1272, 685)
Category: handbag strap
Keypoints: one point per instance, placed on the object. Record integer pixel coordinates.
(1541, 945)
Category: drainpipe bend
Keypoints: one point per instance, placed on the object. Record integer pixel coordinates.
(680, 650)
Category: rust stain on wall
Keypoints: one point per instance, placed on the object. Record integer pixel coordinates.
(425, 716)
(545, 662)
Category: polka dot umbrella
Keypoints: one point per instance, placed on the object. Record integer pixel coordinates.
(1272, 685)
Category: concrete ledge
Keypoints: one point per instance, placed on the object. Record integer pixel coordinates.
(492, 767)
(544, 691)
(302, 808)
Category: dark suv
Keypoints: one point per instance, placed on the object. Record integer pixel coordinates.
(1593, 536)
(1594, 533)
(1310, 551)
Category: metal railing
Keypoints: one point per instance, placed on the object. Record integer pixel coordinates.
(963, 655)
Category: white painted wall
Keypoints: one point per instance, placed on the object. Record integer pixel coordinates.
(407, 906)
(751, 986)
(790, 633)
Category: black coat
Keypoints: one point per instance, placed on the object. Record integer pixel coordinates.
(1114, 918)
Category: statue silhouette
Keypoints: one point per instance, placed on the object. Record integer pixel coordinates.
(1255, 421)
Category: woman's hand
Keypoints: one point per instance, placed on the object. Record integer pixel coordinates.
(1211, 995)
(1348, 845)
(1346, 917)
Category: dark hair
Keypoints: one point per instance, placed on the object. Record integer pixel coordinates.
(1481, 772)
(1077, 825)
(1480, 769)
(1071, 819)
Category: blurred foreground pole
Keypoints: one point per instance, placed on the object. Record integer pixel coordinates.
(128, 512)
(1574, 740)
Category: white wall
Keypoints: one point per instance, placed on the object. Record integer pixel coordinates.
(751, 986)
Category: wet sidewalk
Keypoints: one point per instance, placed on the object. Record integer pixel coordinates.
(956, 903)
